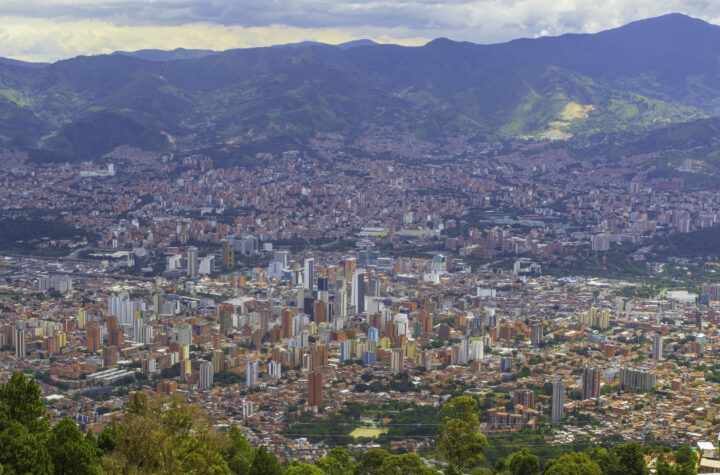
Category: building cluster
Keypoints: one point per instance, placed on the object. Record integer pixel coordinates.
(313, 332)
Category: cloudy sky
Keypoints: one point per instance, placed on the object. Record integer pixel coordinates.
(47, 30)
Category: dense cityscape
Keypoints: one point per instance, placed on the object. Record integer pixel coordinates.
(240, 291)
(362, 258)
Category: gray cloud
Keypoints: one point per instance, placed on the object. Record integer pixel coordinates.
(54, 29)
(480, 21)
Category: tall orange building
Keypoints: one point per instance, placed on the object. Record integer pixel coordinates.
(315, 382)
(93, 342)
(287, 323)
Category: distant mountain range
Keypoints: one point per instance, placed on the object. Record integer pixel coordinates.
(643, 75)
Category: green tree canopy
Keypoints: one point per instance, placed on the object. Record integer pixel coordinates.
(524, 462)
(264, 463)
(20, 401)
(370, 462)
(572, 464)
(458, 440)
(71, 453)
(303, 469)
(406, 464)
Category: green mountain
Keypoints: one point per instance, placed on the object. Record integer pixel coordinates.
(643, 75)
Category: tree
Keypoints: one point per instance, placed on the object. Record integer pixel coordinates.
(23, 451)
(608, 461)
(165, 435)
(264, 463)
(632, 461)
(406, 464)
(71, 453)
(238, 452)
(371, 461)
(106, 439)
(572, 464)
(303, 469)
(336, 463)
(459, 441)
(524, 463)
(685, 456)
(20, 401)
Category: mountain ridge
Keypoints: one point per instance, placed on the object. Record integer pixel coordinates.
(641, 75)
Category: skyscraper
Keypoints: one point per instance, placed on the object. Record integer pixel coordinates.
(228, 255)
(275, 369)
(192, 262)
(397, 362)
(591, 383)
(115, 337)
(93, 337)
(309, 274)
(251, 373)
(82, 318)
(657, 347)
(536, 335)
(287, 323)
(315, 382)
(20, 343)
(110, 356)
(358, 291)
(206, 375)
(557, 400)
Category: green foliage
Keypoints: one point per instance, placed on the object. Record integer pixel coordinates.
(573, 464)
(523, 463)
(20, 402)
(71, 453)
(264, 463)
(25, 233)
(406, 464)
(631, 459)
(98, 133)
(336, 463)
(24, 451)
(370, 462)
(302, 469)
(238, 453)
(458, 439)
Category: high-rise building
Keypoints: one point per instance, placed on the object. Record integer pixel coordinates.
(315, 382)
(525, 397)
(206, 375)
(638, 379)
(115, 336)
(228, 255)
(368, 358)
(350, 265)
(20, 343)
(251, 373)
(341, 301)
(397, 362)
(358, 291)
(558, 396)
(192, 262)
(657, 347)
(320, 313)
(309, 274)
(536, 335)
(275, 370)
(110, 356)
(93, 341)
(346, 350)
(82, 319)
(591, 383)
(287, 323)
(218, 361)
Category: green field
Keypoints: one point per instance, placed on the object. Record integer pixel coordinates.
(367, 432)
